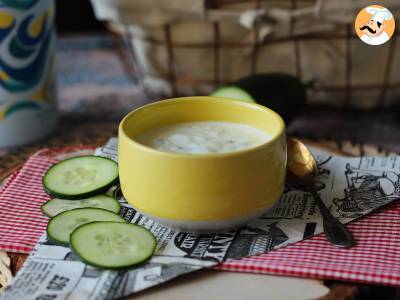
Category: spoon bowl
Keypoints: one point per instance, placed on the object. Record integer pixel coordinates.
(302, 167)
(301, 163)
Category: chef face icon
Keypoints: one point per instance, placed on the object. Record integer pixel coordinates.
(374, 25)
(373, 28)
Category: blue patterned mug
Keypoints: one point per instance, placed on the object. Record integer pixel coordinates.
(27, 82)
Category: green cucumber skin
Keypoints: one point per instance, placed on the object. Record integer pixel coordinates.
(47, 215)
(151, 253)
(96, 192)
(99, 191)
(113, 268)
(226, 92)
(283, 93)
(61, 243)
(54, 240)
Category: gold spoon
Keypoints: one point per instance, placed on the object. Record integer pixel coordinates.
(302, 168)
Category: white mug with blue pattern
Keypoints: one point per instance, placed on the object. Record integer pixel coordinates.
(27, 82)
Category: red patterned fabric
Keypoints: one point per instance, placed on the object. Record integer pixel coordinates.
(21, 220)
(375, 259)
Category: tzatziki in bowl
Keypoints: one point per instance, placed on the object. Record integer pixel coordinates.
(202, 163)
(203, 137)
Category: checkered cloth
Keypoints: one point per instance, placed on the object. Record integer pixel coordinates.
(21, 219)
(375, 259)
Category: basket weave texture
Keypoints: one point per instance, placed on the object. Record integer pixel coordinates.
(181, 47)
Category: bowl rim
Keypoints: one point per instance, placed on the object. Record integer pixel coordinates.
(133, 142)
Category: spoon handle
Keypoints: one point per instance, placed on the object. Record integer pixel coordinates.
(335, 231)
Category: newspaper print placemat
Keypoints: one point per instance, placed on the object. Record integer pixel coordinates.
(350, 187)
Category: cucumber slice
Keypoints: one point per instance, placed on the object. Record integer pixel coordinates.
(80, 177)
(61, 226)
(112, 245)
(55, 206)
(233, 92)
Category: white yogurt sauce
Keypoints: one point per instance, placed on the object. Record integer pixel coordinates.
(203, 137)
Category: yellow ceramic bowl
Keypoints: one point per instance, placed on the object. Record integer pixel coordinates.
(202, 191)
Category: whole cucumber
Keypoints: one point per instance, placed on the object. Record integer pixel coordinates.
(283, 93)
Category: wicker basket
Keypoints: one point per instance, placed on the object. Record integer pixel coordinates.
(182, 47)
